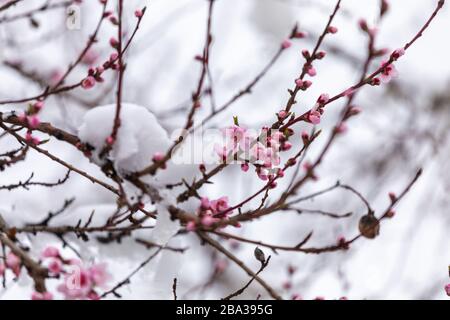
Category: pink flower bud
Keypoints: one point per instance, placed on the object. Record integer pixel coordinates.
(110, 140)
(282, 114)
(341, 128)
(363, 25)
(307, 84)
(320, 55)
(138, 13)
(375, 82)
(392, 196)
(312, 72)
(244, 167)
(398, 53)
(41, 296)
(306, 54)
(88, 83)
(33, 121)
(390, 214)
(332, 29)
(286, 44)
(113, 57)
(158, 157)
(447, 289)
(38, 105)
(323, 98)
(299, 83)
(286, 146)
(113, 42)
(300, 35)
(305, 136)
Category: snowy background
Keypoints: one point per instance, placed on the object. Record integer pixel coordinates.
(404, 126)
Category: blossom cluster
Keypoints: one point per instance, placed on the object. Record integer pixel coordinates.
(79, 281)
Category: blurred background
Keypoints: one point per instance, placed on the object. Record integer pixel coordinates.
(404, 126)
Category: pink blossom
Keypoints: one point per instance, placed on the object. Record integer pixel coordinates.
(314, 117)
(208, 220)
(41, 296)
(33, 121)
(389, 72)
(286, 44)
(299, 83)
(13, 262)
(190, 226)
(244, 167)
(99, 274)
(55, 266)
(88, 82)
(447, 289)
(219, 205)
(31, 139)
(77, 285)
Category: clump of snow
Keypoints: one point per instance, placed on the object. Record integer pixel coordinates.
(139, 137)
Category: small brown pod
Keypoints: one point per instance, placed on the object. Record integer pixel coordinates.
(369, 226)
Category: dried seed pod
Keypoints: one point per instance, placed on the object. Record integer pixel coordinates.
(259, 255)
(369, 226)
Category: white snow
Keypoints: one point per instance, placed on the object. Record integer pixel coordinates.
(139, 137)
